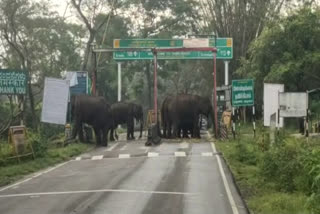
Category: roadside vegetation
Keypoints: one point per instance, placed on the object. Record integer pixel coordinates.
(283, 177)
(48, 151)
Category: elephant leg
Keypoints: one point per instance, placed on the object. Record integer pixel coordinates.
(185, 133)
(169, 130)
(98, 135)
(175, 130)
(141, 127)
(111, 134)
(81, 137)
(116, 134)
(164, 127)
(104, 137)
(76, 129)
(130, 129)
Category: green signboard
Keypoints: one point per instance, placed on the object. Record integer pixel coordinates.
(224, 49)
(13, 81)
(242, 93)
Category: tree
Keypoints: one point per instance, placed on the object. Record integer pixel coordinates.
(288, 52)
(88, 11)
(37, 41)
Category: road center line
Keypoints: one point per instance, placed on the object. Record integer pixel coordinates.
(36, 175)
(95, 191)
(225, 182)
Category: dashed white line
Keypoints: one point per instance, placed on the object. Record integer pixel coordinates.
(97, 157)
(111, 148)
(124, 155)
(153, 154)
(78, 158)
(180, 154)
(207, 154)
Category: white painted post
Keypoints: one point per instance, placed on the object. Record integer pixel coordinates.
(119, 81)
(226, 72)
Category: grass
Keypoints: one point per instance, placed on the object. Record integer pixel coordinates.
(13, 171)
(262, 196)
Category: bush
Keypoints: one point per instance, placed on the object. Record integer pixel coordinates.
(281, 164)
(245, 152)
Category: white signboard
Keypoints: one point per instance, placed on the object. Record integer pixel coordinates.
(55, 101)
(293, 104)
(195, 43)
(271, 102)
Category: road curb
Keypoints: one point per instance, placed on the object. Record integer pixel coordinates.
(235, 183)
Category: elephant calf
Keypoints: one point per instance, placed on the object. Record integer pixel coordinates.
(124, 113)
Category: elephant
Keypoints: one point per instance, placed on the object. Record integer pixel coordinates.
(94, 111)
(165, 120)
(124, 113)
(187, 127)
(176, 110)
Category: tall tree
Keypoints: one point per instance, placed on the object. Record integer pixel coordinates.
(288, 52)
(88, 10)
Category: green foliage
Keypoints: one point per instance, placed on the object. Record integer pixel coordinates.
(279, 203)
(281, 164)
(288, 52)
(280, 178)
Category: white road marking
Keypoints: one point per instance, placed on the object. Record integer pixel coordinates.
(112, 147)
(123, 148)
(78, 158)
(97, 157)
(153, 154)
(179, 154)
(124, 155)
(36, 175)
(207, 154)
(37, 194)
(225, 182)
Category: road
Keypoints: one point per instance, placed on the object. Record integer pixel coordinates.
(186, 176)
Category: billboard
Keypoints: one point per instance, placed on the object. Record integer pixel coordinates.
(271, 102)
(293, 104)
(55, 101)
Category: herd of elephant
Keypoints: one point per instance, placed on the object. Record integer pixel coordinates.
(178, 113)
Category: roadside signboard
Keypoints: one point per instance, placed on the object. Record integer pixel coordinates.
(271, 102)
(55, 101)
(82, 84)
(293, 104)
(224, 48)
(242, 93)
(13, 82)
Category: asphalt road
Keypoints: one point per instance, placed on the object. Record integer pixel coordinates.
(185, 176)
